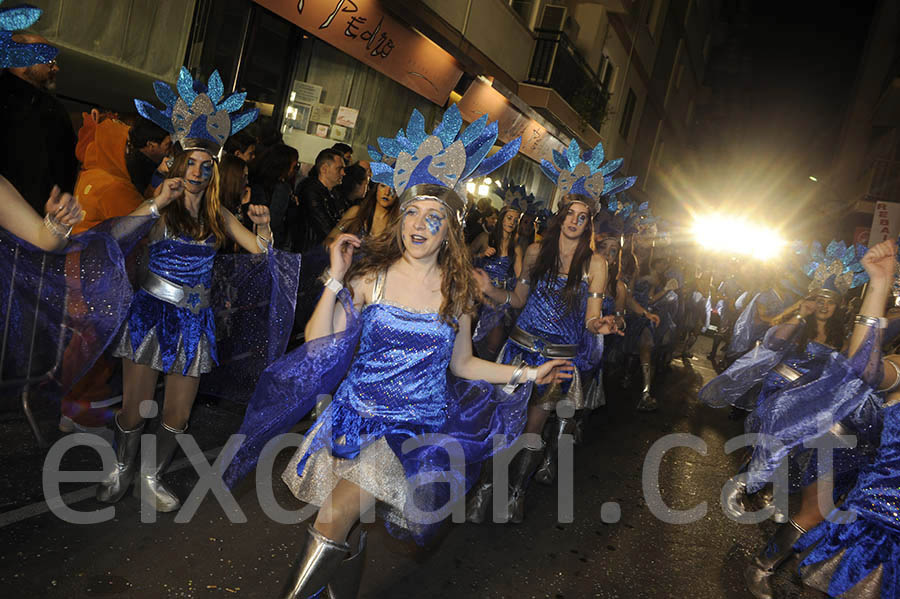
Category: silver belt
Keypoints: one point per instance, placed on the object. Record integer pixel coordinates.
(545, 348)
(787, 372)
(193, 298)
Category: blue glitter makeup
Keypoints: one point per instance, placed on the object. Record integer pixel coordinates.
(206, 170)
(434, 223)
(581, 218)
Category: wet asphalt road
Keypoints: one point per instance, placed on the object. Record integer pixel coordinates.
(637, 556)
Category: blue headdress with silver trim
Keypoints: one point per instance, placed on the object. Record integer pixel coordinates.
(448, 157)
(585, 174)
(20, 55)
(837, 268)
(514, 196)
(197, 117)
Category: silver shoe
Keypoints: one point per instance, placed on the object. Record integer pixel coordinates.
(647, 403)
(546, 473)
(150, 489)
(314, 569)
(478, 506)
(521, 469)
(346, 581)
(734, 495)
(758, 575)
(116, 482)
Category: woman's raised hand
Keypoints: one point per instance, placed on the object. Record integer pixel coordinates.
(341, 254)
(881, 261)
(168, 191)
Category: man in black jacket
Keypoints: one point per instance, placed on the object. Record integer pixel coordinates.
(316, 217)
(40, 148)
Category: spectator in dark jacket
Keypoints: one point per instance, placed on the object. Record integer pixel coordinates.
(318, 211)
(43, 154)
(272, 182)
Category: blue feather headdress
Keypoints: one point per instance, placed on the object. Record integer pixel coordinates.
(515, 196)
(197, 117)
(837, 269)
(17, 55)
(585, 173)
(635, 217)
(447, 158)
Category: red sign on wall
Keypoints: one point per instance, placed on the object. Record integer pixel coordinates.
(364, 30)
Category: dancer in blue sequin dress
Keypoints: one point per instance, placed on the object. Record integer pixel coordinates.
(392, 333)
(856, 551)
(170, 328)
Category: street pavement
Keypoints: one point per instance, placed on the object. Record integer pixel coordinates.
(634, 555)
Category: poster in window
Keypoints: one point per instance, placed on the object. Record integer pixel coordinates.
(322, 113)
(322, 130)
(338, 133)
(307, 93)
(298, 116)
(346, 117)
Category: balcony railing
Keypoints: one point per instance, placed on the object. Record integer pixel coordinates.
(557, 64)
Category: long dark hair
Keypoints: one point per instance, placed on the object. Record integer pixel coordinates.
(495, 237)
(366, 213)
(179, 220)
(272, 166)
(231, 181)
(546, 267)
(834, 327)
(354, 175)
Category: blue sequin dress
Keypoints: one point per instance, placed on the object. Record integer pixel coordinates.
(398, 416)
(170, 338)
(548, 317)
(862, 557)
(749, 327)
(500, 270)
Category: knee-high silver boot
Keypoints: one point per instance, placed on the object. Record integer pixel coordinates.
(478, 506)
(647, 403)
(315, 567)
(115, 484)
(150, 489)
(521, 469)
(780, 547)
(546, 473)
(345, 582)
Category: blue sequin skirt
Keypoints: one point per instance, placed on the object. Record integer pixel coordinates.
(168, 338)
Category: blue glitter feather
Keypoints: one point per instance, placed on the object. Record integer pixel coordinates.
(215, 90)
(19, 17)
(374, 154)
(243, 119)
(573, 154)
(449, 126)
(165, 93)
(474, 130)
(415, 130)
(233, 103)
(14, 54)
(501, 157)
(186, 86)
(561, 161)
(389, 146)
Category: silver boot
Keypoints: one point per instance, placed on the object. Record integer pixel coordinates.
(150, 489)
(734, 497)
(314, 569)
(647, 403)
(758, 575)
(478, 507)
(521, 469)
(115, 484)
(546, 473)
(346, 581)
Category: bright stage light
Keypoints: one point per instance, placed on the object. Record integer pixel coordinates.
(471, 187)
(488, 180)
(735, 236)
(483, 190)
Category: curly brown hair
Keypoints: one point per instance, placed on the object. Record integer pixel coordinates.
(458, 287)
(179, 220)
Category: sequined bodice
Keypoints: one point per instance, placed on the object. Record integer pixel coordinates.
(499, 269)
(183, 261)
(547, 314)
(877, 492)
(609, 305)
(399, 371)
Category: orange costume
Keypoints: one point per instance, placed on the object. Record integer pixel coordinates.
(105, 191)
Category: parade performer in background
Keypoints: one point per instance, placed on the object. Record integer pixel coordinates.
(855, 552)
(385, 332)
(561, 294)
(498, 255)
(170, 327)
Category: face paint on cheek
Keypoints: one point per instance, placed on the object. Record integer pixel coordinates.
(434, 223)
(581, 219)
(206, 171)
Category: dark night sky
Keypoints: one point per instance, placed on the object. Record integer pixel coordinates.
(798, 60)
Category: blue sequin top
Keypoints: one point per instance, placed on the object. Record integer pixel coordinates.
(500, 270)
(182, 260)
(547, 314)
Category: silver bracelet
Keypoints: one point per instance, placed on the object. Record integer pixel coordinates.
(264, 243)
(56, 227)
(870, 321)
(508, 298)
(151, 205)
(525, 281)
(514, 379)
(531, 373)
(896, 382)
(595, 295)
(333, 284)
(589, 320)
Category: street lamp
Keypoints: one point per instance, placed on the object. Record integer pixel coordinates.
(813, 179)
